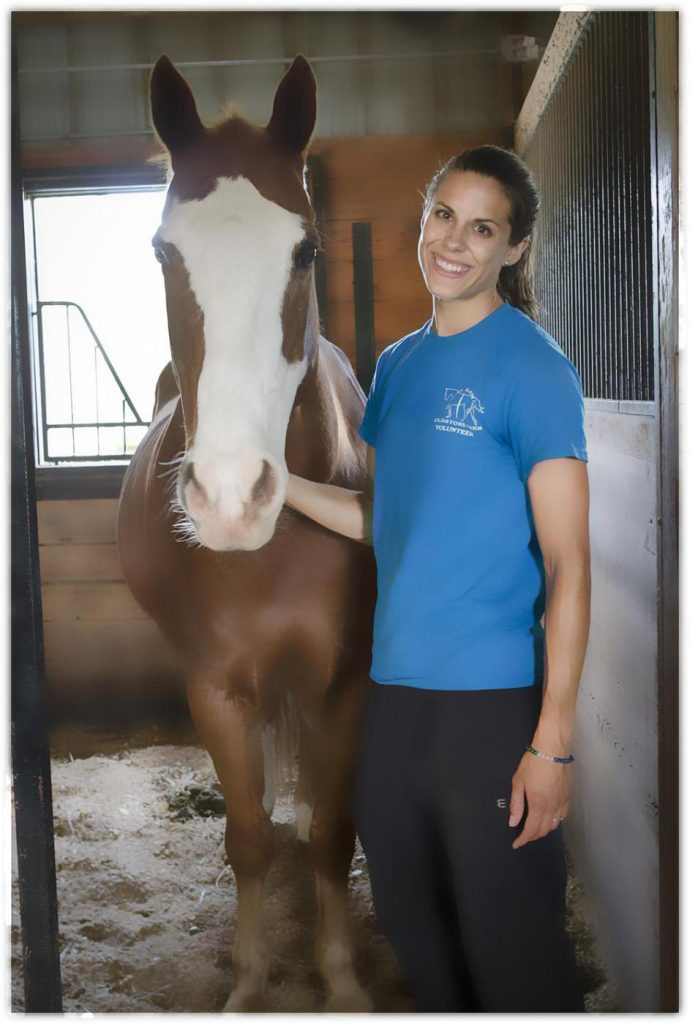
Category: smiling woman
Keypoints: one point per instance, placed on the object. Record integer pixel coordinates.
(479, 509)
(461, 254)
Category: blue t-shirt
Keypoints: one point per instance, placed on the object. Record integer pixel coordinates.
(458, 422)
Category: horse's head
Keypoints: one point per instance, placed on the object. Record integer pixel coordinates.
(237, 243)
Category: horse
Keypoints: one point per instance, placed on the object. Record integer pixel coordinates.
(262, 605)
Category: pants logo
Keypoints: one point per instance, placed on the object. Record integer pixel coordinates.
(501, 802)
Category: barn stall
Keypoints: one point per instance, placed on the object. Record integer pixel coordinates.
(388, 114)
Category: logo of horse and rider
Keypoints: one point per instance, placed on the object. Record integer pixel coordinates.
(462, 407)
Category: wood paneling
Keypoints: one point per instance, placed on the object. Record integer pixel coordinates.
(98, 641)
(100, 601)
(77, 562)
(77, 522)
(380, 179)
(377, 156)
(392, 280)
(130, 658)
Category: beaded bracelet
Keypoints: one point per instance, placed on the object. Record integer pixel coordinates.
(549, 757)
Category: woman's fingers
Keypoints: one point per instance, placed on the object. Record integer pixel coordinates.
(517, 802)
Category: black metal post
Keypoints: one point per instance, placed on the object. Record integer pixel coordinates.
(365, 344)
(30, 752)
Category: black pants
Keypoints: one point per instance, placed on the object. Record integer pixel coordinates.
(476, 925)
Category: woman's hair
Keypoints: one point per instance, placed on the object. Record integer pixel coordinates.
(515, 283)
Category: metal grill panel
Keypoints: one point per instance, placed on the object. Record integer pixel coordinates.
(590, 155)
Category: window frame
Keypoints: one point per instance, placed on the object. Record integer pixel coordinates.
(71, 481)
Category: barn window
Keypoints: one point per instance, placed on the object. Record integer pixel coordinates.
(98, 315)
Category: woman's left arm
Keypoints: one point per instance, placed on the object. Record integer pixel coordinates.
(559, 495)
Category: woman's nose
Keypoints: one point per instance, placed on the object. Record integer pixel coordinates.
(456, 238)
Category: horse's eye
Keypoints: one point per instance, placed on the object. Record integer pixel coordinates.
(304, 257)
(160, 254)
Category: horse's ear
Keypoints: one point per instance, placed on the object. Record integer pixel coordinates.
(173, 109)
(294, 107)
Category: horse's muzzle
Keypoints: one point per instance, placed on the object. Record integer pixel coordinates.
(232, 504)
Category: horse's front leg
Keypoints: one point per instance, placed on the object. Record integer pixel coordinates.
(232, 735)
(332, 840)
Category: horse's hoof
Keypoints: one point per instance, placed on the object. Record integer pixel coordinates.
(246, 1002)
(350, 1000)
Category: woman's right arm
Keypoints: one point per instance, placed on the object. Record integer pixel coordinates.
(344, 511)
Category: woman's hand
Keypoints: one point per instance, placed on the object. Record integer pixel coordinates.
(546, 787)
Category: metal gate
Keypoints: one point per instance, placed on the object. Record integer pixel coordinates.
(594, 245)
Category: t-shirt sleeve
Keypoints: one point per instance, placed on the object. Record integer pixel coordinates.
(369, 426)
(546, 413)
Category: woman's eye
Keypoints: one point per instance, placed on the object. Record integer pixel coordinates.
(305, 255)
(160, 254)
(443, 214)
(484, 230)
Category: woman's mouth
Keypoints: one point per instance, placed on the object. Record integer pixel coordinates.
(449, 268)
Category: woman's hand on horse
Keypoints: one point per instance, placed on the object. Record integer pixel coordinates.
(545, 787)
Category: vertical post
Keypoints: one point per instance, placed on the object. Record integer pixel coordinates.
(365, 344)
(663, 48)
(30, 753)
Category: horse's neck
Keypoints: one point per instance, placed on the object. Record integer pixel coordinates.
(322, 440)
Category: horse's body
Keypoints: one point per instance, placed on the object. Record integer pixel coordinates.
(258, 601)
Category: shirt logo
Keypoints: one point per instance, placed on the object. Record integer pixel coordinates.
(461, 407)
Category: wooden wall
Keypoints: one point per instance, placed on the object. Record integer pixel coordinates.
(379, 179)
(100, 647)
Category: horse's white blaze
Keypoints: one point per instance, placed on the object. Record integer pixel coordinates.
(238, 249)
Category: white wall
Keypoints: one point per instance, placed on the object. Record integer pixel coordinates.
(612, 828)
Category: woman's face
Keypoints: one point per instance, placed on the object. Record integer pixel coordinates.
(465, 234)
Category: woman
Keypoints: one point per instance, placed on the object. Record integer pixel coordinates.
(480, 525)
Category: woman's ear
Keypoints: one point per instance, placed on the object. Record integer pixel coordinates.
(514, 254)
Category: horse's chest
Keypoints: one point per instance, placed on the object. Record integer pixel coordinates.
(290, 603)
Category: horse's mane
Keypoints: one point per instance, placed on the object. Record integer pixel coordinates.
(349, 462)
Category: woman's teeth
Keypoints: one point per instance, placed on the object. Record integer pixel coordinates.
(449, 268)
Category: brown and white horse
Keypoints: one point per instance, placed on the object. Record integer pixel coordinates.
(258, 601)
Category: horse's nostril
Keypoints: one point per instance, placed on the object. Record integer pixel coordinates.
(189, 477)
(265, 487)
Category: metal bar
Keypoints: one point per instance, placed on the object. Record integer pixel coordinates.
(95, 377)
(39, 338)
(609, 267)
(640, 226)
(113, 371)
(58, 460)
(69, 365)
(365, 345)
(662, 98)
(594, 207)
(30, 752)
(97, 423)
(628, 228)
(647, 178)
(260, 62)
